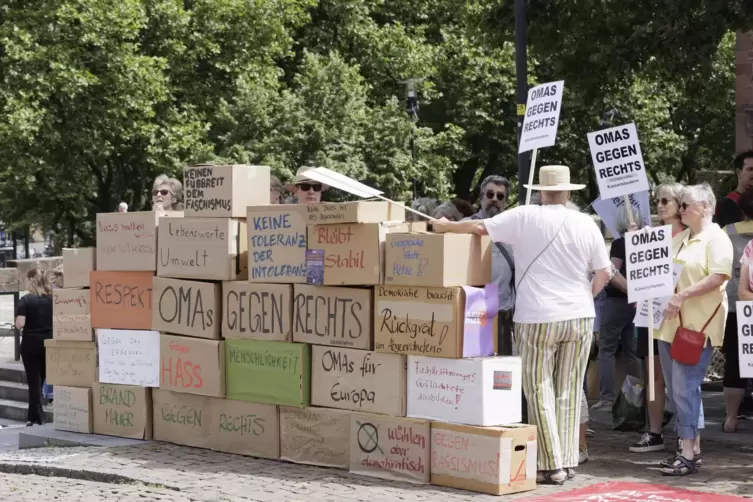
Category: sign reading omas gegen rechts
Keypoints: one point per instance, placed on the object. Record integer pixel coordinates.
(618, 161)
(649, 263)
(542, 116)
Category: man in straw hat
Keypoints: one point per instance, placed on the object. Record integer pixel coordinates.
(555, 251)
(307, 191)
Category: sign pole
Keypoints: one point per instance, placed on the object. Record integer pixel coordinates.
(521, 87)
(629, 209)
(651, 390)
(531, 172)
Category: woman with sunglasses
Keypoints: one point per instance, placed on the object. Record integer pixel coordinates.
(668, 209)
(167, 194)
(307, 191)
(698, 309)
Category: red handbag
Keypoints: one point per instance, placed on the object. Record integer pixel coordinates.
(688, 344)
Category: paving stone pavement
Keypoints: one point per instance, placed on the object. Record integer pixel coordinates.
(171, 473)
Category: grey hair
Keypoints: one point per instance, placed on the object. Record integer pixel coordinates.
(424, 205)
(449, 211)
(176, 189)
(671, 189)
(622, 220)
(702, 193)
(495, 179)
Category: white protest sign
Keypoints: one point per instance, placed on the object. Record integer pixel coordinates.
(618, 161)
(641, 312)
(745, 338)
(129, 357)
(607, 210)
(542, 116)
(649, 263)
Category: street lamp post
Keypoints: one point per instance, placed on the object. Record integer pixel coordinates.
(521, 90)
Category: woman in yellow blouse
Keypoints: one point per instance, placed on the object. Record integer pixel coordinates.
(699, 304)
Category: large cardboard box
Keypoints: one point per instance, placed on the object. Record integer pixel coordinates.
(77, 265)
(437, 260)
(224, 191)
(495, 460)
(23, 266)
(268, 372)
(212, 249)
(277, 243)
(71, 315)
(437, 322)
(257, 311)
(128, 241)
(191, 308)
(332, 316)
(315, 436)
(390, 448)
(354, 212)
(9, 280)
(122, 410)
(483, 391)
(71, 364)
(217, 424)
(72, 409)
(121, 300)
(192, 365)
(129, 357)
(358, 380)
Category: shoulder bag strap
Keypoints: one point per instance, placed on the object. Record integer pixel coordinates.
(538, 255)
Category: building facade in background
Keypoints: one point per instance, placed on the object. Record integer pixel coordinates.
(744, 93)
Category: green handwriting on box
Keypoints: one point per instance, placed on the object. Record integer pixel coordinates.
(268, 372)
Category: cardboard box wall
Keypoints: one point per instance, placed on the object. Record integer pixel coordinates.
(192, 365)
(257, 311)
(327, 315)
(78, 263)
(121, 300)
(210, 249)
(73, 409)
(72, 364)
(277, 243)
(268, 372)
(430, 322)
(353, 212)
(437, 260)
(71, 315)
(391, 448)
(224, 191)
(191, 308)
(358, 380)
(128, 241)
(23, 266)
(217, 424)
(122, 410)
(315, 436)
(494, 460)
(482, 391)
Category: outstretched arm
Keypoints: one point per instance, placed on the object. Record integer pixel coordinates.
(444, 226)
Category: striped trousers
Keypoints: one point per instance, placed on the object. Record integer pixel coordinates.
(554, 357)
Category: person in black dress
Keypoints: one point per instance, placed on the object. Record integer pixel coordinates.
(34, 318)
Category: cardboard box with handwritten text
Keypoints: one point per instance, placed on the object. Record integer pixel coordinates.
(128, 241)
(192, 365)
(435, 322)
(73, 409)
(257, 311)
(77, 265)
(358, 380)
(482, 391)
(390, 448)
(71, 315)
(121, 300)
(332, 316)
(353, 212)
(315, 436)
(277, 243)
(494, 460)
(437, 260)
(191, 308)
(212, 249)
(123, 411)
(72, 364)
(224, 191)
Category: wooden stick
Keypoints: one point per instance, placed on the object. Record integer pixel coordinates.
(629, 209)
(651, 390)
(530, 175)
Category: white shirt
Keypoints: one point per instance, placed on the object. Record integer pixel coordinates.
(557, 286)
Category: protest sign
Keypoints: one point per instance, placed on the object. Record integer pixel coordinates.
(277, 243)
(607, 210)
(224, 191)
(618, 161)
(745, 338)
(129, 357)
(649, 263)
(641, 313)
(542, 116)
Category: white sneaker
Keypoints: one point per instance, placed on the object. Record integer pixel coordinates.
(582, 456)
(602, 405)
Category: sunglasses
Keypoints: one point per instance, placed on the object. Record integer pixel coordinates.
(160, 192)
(663, 201)
(685, 205)
(305, 187)
(492, 194)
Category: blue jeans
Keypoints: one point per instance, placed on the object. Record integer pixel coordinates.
(684, 389)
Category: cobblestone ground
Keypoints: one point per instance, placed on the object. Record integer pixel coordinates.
(172, 473)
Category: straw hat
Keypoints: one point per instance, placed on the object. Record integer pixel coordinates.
(555, 179)
(301, 178)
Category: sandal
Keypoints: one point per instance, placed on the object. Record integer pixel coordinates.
(555, 477)
(570, 473)
(668, 463)
(681, 467)
(590, 433)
